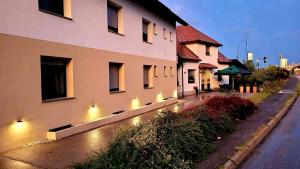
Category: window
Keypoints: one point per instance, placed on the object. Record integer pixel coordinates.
(56, 78)
(145, 31)
(191, 75)
(147, 76)
(57, 7)
(207, 48)
(171, 38)
(154, 29)
(116, 77)
(165, 36)
(165, 71)
(113, 18)
(171, 71)
(155, 71)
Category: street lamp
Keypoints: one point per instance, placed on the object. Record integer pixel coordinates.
(247, 34)
(238, 48)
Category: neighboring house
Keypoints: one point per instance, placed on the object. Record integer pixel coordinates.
(198, 59)
(69, 62)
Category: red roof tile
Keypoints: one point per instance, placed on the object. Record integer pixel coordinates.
(207, 66)
(190, 34)
(185, 53)
(223, 59)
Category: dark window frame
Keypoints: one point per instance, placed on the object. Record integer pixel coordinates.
(43, 8)
(148, 69)
(54, 77)
(145, 33)
(191, 79)
(207, 50)
(115, 89)
(112, 7)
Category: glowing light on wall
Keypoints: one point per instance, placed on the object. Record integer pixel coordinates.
(175, 93)
(175, 109)
(19, 127)
(136, 121)
(159, 97)
(135, 104)
(20, 124)
(93, 113)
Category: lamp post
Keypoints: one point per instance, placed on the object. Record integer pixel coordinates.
(238, 48)
(247, 34)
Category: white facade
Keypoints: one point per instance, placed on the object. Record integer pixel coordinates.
(88, 27)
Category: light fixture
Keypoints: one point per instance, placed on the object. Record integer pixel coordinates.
(19, 124)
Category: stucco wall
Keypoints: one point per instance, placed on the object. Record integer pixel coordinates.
(20, 87)
(89, 27)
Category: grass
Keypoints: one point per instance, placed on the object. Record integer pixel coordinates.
(259, 97)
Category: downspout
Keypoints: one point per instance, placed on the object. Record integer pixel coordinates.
(182, 85)
(199, 80)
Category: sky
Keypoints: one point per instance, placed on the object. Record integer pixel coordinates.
(274, 25)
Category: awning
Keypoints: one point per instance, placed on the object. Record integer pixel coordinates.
(207, 66)
(233, 70)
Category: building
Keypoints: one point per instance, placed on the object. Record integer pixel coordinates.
(198, 59)
(68, 65)
(283, 62)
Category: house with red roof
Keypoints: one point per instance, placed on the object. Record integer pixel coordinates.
(198, 59)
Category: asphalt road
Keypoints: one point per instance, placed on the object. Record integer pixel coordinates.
(281, 150)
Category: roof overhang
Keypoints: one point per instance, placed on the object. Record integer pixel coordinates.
(207, 66)
(160, 9)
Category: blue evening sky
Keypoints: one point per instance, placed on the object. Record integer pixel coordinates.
(274, 25)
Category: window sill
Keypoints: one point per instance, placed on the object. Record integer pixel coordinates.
(56, 14)
(58, 99)
(116, 33)
(115, 92)
(148, 42)
(148, 88)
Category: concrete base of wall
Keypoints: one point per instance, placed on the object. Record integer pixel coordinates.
(108, 120)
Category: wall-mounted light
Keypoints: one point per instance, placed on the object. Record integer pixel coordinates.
(19, 124)
(93, 112)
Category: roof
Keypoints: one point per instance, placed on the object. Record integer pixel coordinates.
(223, 59)
(185, 53)
(163, 11)
(237, 63)
(186, 34)
(207, 66)
(232, 70)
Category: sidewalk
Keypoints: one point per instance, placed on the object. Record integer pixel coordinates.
(228, 145)
(62, 153)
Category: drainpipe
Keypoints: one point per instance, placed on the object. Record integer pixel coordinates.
(182, 85)
(199, 79)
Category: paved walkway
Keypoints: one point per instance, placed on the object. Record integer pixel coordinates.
(281, 150)
(61, 153)
(228, 145)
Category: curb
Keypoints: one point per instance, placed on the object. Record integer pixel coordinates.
(260, 134)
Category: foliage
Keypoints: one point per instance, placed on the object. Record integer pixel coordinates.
(250, 66)
(270, 73)
(272, 87)
(236, 107)
(171, 140)
(259, 97)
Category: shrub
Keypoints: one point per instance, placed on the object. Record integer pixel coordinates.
(168, 141)
(272, 87)
(236, 107)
